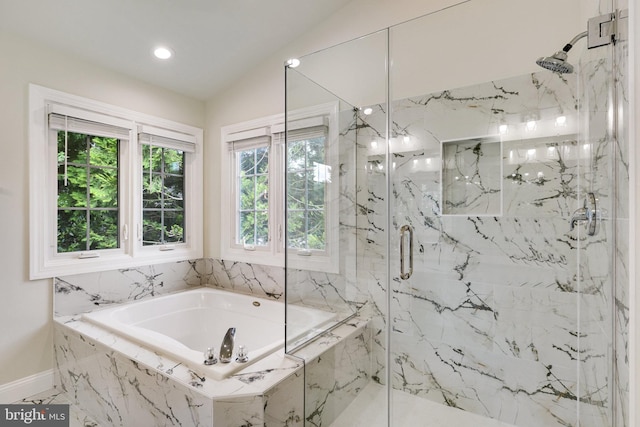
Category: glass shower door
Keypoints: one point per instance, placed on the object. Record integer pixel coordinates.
(500, 304)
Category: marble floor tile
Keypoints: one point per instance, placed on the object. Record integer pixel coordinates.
(369, 410)
(56, 397)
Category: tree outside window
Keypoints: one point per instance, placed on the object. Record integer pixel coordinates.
(88, 208)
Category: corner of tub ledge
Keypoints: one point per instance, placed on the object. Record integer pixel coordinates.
(65, 320)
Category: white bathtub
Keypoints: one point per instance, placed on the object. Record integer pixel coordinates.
(184, 324)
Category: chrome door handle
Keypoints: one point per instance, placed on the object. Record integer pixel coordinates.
(587, 213)
(403, 231)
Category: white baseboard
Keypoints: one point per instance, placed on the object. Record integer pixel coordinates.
(24, 387)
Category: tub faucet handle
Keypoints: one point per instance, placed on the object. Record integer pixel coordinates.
(226, 349)
(210, 357)
(243, 355)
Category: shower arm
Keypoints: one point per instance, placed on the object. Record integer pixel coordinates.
(574, 40)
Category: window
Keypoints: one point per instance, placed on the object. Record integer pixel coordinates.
(88, 176)
(307, 177)
(255, 181)
(109, 188)
(252, 202)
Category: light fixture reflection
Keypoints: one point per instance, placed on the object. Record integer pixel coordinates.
(531, 125)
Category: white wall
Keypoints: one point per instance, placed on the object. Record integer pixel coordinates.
(26, 306)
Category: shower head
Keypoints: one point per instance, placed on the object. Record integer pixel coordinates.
(558, 61)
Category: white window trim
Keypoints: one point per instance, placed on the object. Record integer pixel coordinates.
(274, 253)
(44, 262)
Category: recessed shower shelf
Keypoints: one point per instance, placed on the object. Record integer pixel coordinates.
(471, 177)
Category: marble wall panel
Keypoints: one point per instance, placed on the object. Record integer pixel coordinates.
(492, 296)
(336, 376)
(254, 279)
(118, 391)
(85, 292)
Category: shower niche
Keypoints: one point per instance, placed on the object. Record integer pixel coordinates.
(471, 177)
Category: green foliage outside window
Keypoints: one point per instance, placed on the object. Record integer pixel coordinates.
(162, 195)
(307, 178)
(87, 192)
(253, 196)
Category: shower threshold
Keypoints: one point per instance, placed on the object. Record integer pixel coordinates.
(410, 411)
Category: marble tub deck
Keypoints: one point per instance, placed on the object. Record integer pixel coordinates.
(103, 374)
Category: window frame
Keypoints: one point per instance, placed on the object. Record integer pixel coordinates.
(45, 261)
(273, 127)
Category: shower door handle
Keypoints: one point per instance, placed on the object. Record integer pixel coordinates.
(403, 232)
(588, 214)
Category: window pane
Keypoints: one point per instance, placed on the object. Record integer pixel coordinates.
(80, 226)
(307, 179)
(163, 196)
(247, 193)
(72, 230)
(104, 188)
(262, 228)
(173, 226)
(296, 226)
(152, 227)
(173, 192)
(296, 155)
(103, 151)
(246, 233)
(247, 162)
(252, 191)
(315, 151)
(74, 194)
(262, 192)
(173, 161)
(104, 229)
(315, 194)
(315, 231)
(151, 195)
(262, 160)
(151, 158)
(76, 147)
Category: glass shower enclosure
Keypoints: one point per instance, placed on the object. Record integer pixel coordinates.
(469, 207)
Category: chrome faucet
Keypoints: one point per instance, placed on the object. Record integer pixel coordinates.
(226, 349)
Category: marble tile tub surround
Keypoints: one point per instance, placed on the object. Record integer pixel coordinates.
(489, 321)
(121, 384)
(86, 292)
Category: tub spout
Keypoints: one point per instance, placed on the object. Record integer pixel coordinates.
(226, 349)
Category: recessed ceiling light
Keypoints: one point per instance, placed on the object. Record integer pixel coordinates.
(292, 63)
(162, 53)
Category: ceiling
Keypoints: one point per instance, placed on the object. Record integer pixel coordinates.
(214, 41)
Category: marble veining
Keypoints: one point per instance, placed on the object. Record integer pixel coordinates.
(489, 321)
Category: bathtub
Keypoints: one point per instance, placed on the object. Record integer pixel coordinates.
(184, 324)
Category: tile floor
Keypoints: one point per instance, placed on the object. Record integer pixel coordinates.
(54, 396)
(367, 410)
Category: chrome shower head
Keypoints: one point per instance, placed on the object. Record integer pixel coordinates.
(558, 61)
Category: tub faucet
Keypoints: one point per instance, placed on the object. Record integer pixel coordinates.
(226, 349)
